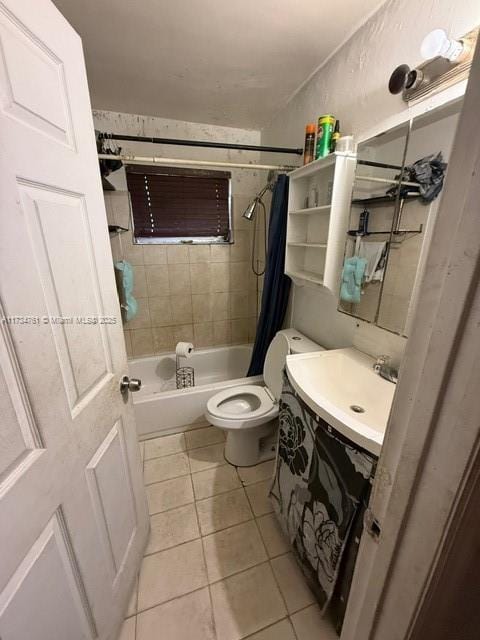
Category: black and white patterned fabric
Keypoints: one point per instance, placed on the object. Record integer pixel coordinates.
(321, 481)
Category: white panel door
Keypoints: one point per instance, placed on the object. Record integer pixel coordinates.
(72, 506)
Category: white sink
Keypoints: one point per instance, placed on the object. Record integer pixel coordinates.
(341, 387)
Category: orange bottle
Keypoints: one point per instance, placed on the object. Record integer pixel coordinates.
(309, 148)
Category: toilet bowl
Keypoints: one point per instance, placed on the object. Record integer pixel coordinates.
(249, 413)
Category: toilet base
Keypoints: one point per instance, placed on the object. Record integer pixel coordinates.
(246, 448)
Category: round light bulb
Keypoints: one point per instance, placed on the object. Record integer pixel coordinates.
(437, 43)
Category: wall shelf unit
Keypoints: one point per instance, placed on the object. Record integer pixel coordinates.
(310, 210)
(313, 245)
(318, 217)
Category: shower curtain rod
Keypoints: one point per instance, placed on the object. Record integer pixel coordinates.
(381, 165)
(407, 183)
(156, 160)
(200, 143)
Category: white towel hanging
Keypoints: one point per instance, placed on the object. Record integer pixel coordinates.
(373, 253)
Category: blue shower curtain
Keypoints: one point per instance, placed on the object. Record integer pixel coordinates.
(276, 286)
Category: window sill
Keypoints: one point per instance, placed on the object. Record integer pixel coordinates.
(186, 241)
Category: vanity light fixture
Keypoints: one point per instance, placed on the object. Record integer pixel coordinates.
(437, 43)
(447, 62)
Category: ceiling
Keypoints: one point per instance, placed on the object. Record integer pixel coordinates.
(228, 62)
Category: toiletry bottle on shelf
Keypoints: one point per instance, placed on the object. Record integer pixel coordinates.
(324, 135)
(309, 148)
(363, 222)
(335, 136)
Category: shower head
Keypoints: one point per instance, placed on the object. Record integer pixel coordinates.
(250, 211)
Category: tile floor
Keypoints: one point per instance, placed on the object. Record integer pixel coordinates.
(216, 566)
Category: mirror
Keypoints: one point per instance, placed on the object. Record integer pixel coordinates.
(372, 214)
(399, 220)
(430, 133)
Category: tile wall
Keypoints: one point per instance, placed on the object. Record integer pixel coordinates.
(205, 294)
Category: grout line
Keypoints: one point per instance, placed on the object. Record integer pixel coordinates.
(222, 494)
(269, 626)
(187, 448)
(237, 573)
(173, 546)
(232, 526)
(180, 506)
(214, 495)
(149, 484)
(276, 555)
(271, 567)
(312, 604)
(189, 468)
(214, 625)
(165, 455)
(272, 570)
(294, 631)
(194, 473)
(167, 435)
(251, 517)
(160, 604)
(214, 465)
(252, 484)
(278, 585)
(204, 446)
(204, 535)
(181, 544)
(157, 513)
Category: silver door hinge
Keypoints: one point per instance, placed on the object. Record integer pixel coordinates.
(371, 524)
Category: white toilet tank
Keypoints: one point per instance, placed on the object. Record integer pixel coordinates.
(299, 343)
(285, 342)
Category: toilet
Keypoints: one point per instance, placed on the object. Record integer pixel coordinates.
(248, 413)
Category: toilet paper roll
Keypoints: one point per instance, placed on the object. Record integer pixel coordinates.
(184, 349)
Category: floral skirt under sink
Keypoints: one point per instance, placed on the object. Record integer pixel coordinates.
(320, 491)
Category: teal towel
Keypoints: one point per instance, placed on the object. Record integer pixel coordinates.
(125, 283)
(352, 277)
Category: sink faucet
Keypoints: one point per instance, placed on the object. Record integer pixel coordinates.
(385, 370)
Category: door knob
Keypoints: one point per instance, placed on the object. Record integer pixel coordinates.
(130, 384)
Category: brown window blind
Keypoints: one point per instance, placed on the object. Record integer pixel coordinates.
(179, 203)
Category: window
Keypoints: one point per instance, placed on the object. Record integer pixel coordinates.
(172, 205)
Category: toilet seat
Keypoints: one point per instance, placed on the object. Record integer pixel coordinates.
(239, 405)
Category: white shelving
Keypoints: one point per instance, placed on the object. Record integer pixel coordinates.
(314, 245)
(307, 276)
(316, 234)
(310, 210)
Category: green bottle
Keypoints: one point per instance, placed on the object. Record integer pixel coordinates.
(324, 135)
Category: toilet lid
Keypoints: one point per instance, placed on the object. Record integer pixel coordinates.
(274, 363)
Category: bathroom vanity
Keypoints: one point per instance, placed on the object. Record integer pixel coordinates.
(333, 415)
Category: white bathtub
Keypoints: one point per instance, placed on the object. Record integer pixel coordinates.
(161, 408)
